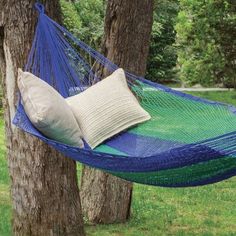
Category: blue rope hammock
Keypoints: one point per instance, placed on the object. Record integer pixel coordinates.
(188, 142)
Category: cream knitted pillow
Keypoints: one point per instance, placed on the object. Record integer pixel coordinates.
(48, 110)
(106, 108)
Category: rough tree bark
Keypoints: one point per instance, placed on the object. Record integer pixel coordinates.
(105, 198)
(44, 185)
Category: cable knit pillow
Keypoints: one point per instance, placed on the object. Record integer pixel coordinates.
(48, 110)
(106, 108)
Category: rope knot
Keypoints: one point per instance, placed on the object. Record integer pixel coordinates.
(39, 7)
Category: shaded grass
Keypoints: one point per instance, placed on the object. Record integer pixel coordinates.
(207, 210)
(221, 96)
(5, 204)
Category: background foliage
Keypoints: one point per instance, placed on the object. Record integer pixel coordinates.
(193, 41)
(206, 38)
(85, 19)
(162, 54)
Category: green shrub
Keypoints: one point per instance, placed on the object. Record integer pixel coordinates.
(162, 54)
(206, 37)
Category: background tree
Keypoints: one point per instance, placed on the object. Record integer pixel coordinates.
(206, 40)
(44, 187)
(162, 56)
(105, 198)
(85, 19)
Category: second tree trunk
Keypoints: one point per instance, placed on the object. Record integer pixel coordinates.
(105, 198)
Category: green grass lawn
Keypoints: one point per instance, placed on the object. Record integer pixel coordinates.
(207, 210)
(5, 204)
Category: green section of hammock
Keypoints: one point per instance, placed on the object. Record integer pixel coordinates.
(181, 119)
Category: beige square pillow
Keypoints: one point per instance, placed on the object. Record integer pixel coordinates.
(48, 110)
(106, 108)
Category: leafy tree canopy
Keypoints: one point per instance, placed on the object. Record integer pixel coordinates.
(206, 37)
(162, 55)
(196, 38)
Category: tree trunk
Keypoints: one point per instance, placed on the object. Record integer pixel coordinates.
(44, 185)
(105, 198)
